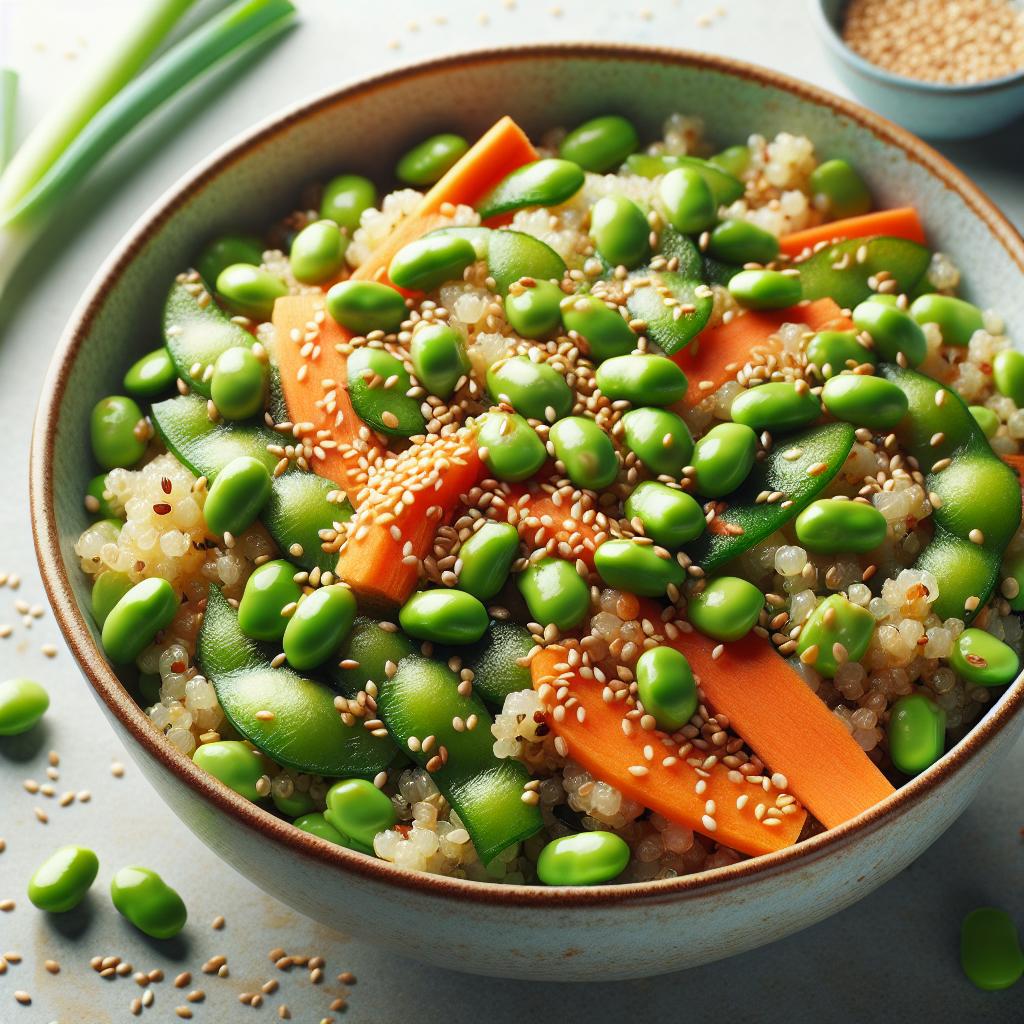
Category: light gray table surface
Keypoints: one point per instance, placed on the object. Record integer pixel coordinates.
(892, 957)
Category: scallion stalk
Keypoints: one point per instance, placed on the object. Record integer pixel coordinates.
(8, 102)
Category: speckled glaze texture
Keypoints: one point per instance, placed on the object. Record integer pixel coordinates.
(527, 932)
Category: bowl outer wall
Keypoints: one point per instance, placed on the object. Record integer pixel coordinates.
(531, 932)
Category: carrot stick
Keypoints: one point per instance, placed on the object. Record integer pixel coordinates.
(902, 222)
(539, 513)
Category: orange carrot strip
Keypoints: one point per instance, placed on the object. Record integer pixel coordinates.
(902, 222)
(599, 745)
(562, 528)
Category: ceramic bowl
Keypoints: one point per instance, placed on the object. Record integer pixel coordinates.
(528, 932)
(932, 109)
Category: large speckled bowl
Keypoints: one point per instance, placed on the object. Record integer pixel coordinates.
(531, 932)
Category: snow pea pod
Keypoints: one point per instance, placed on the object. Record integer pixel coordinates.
(637, 568)
(514, 255)
(647, 302)
(642, 379)
(498, 661)
(377, 386)
(143, 897)
(545, 182)
(586, 451)
(600, 144)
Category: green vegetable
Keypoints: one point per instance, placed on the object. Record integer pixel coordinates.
(670, 517)
(734, 160)
(148, 902)
(496, 661)
(514, 255)
(535, 311)
(637, 568)
(250, 291)
(983, 660)
(238, 496)
(22, 703)
(839, 630)
(723, 457)
(239, 384)
(725, 188)
(839, 190)
(365, 306)
(345, 198)
(487, 558)
(108, 589)
(319, 626)
(894, 332)
(542, 183)
(776, 406)
(586, 451)
(600, 144)
(604, 332)
(234, 763)
(97, 489)
(377, 386)
(835, 351)
(687, 201)
(152, 375)
(294, 805)
(660, 439)
(359, 810)
(428, 162)
(586, 858)
(726, 608)
(227, 249)
(370, 648)
(555, 593)
(641, 380)
(766, 289)
(957, 319)
(317, 825)
(620, 231)
(428, 262)
(112, 430)
(833, 526)
(864, 400)
(509, 446)
(60, 883)
(438, 356)
(990, 952)
(444, 616)
(135, 620)
(318, 252)
(986, 419)
(666, 687)
(1008, 374)
(917, 733)
(268, 591)
(534, 389)
(739, 241)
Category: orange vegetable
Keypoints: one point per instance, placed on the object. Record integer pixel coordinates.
(599, 745)
(902, 222)
(555, 522)
(1016, 463)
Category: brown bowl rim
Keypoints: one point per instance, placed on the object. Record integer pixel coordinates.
(260, 822)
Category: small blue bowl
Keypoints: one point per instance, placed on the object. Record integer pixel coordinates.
(933, 110)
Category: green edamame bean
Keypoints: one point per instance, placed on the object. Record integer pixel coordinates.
(555, 593)
(428, 162)
(641, 379)
(445, 616)
(509, 446)
(894, 332)
(269, 590)
(990, 952)
(250, 291)
(116, 442)
(586, 858)
(835, 351)
(60, 883)
(378, 385)
(239, 383)
(726, 609)
(620, 231)
(778, 405)
(238, 495)
(148, 902)
(986, 419)
(534, 389)
(1008, 374)
(543, 183)
(740, 241)
(296, 804)
(224, 251)
(429, 261)
(957, 319)
(364, 306)
(318, 252)
(983, 660)
(234, 763)
(835, 621)
(604, 332)
(659, 439)
(766, 289)
(1013, 569)
(135, 620)
(586, 451)
(439, 360)
(345, 198)
(687, 200)
(666, 687)
(359, 810)
(487, 558)
(151, 375)
(839, 189)
(22, 703)
(831, 526)
(98, 500)
(733, 160)
(317, 825)
(917, 733)
(534, 311)
(864, 400)
(723, 457)
(108, 589)
(319, 626)
(637, 568)
(601, 143)
(670, 517)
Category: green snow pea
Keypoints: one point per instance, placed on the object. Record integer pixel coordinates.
(666, 687)
(620, 231)
(990, 952)
(151, 375)
(250, 291)
(428, 262)
(739, 241)
(659, 439)
(509, 446)
(835, 351)
(345, 198)
(957, 319)
(833, 526)
(864, 400)
(586, 451)
(269, 590)
(317, 825)
(377, 386)
(723, 457)
(97, 489)
(586, 858)
(1008, 374)
(514, 255)
(917, 733)
(839, 190)
(727, 608)
(358, 809)
(734, 160)
(108, 589)
(319, 626)
(239, 383)
(637, 568)
(839, 631)
(318, 252)
(670, 517)
(234, 763)
(641, 379)
(365, 306)
(777, 406)
(547, 182)
(112, 429)
(534, 389)
(859, 259)
(224, 251)
(605, 332)
(444, 616)
(600, 144)
(725, 187)
(766, 289)
(439, 360)
(487, 558)
(986, 419)
(983, 660)
(60, 883)
(659, 296)
(429, 161)
(535, 311)
(238, 495)
(894, 332)
(555, 593)
(135, 620)
(498, 661)
(22, 703)
(687, 201)
(148, 902)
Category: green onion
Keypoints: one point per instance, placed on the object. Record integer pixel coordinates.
(8, 100)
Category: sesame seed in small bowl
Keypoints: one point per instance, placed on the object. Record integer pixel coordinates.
(945, 69)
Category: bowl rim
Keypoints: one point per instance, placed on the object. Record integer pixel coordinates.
(257, 821)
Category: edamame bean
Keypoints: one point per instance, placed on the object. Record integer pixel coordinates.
(318, 252)
(839, 190)
(319, 626)
(114, 428)
(135, 620)
(620, 231)
(778, 405)
(836, 631)
(986, 418)
(428, 162)
(509, 446)
(604, 332)
(670, 517)
(740, 241)
(733, 160)
(957, 319)
(148, 902)
(345, 198)
(659, 439)
(897, 335)
(152, 375)
(295, 804)
(1008, 374)
(534, 389)
(687, 200)
(983, 660)
(317, 825)
(534, 311)
(723, 457)
(543, 183)
(487, 556)
(359, 810)
(378, 386)
(586, 858)
(429, 261)
(365, 306)
(238, 495)
(766, 289)
(250, 291)
(835, 351)
(555, 593)
(234, 763)
(586, 451)
(108, 589)
(60, 883)
(1013, 572)
(637, 568)
(22, 703)
(268, 591)
(666, 687)
(601, 143)
(641, 379)
(444, 616)
(917, 733)
(224, 251)
(831, 526)
(865, 401)
(101, 503)
(726, 609)
(438, 356)
(990, 952)
(239, 383)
